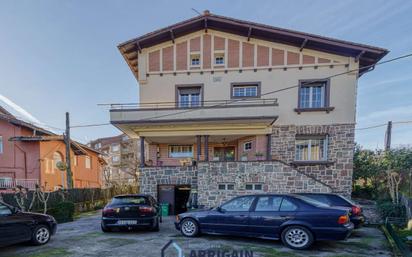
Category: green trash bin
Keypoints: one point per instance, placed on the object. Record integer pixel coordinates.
(164, 209)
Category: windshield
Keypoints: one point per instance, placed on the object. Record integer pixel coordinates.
(311, 201)
(138, 200)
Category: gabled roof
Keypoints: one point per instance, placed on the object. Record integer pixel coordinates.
(367, 55)
(6, 116)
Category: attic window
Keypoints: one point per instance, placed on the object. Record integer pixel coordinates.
(195, 60)
(219, 58)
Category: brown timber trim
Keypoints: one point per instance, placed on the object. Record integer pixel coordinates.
(323, 109)
(306, 83)
(240, 84)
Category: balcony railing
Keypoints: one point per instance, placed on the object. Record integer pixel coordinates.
(9, 183)
(204, 104)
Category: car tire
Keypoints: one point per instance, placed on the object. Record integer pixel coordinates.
(156, 227)
(297, 237)
(105, 229)
(189, 227)
(41, 235)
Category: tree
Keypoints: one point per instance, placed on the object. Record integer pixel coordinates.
(367, 167)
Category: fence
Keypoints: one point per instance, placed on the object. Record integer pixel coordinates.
(9, 183)
(401, 249)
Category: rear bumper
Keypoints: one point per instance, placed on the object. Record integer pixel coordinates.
(53, 228)
(341, 233)
(141, 222)
(358, 221)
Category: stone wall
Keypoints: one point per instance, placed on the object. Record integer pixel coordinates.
(274, 176)
(341, 142)
(150, 177)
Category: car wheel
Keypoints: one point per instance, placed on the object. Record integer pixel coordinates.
(105, 229)
(41, 235)
(156, 227)
(297, 237)
(189, 228)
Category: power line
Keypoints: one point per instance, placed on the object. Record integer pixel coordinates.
(268, 93)
(385, 124)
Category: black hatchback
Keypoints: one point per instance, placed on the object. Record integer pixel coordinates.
(131, 211)
(17, 226)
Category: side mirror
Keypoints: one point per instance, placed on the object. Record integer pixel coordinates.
(220, 209)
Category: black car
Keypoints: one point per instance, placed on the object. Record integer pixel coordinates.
(295, 219)
(17, 227)
(356, 216)
(131, 211)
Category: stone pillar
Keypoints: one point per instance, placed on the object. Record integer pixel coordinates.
(142, 160)
(268, 147)
(199, 147)
(206, 148)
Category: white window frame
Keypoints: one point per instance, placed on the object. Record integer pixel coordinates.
(311, 87)
(219, 55)
(194, 56)
(112, 148)
(309, 138)
(245, 87)
(87, 162)
(247, 143)
(117, 157)
(181, 153)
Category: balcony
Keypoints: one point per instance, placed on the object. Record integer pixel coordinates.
(9, 183)
(220, 111)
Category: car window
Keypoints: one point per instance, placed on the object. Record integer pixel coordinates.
(311, 201)
(342, 201)
(287, 205)
(239, 204)
(320, 198)
(131, 200)
(268, 203)
(4, 210)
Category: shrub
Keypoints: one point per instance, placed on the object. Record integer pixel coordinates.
(63, 212)
(389, 209)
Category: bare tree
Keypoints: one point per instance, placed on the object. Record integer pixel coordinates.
(21, 195)
(394, 179)
(43, 197)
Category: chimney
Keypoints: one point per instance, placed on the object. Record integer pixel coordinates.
(206, 12)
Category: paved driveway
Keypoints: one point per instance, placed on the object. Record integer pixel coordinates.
(84, 238)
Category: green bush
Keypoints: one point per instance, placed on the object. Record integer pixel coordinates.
(63, 212)
(363, 192)
(389, 209)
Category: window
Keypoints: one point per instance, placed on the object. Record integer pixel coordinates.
(268, 203)
(245, 90)
(195, 60)
(88, 162)
(4, 210)
(115, 148)
(97, 146)
(247, 146)
(257, 187)
(311, 148)
(1, 144)
(219, 58)
(75, 160)
(288, 206)
(115, 158)
(239, 204)
(226, 186)
(57, 158)
(189, 97)
(180, 151)
(313, 95)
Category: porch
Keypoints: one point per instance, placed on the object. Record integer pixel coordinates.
(7, 183)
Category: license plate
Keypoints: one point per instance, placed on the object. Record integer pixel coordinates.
(127, 222)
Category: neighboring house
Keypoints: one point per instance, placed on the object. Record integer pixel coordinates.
(122, 156)
(29, 156)
(205, 96)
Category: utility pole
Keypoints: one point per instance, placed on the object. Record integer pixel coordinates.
(68, 159)
(388, 136)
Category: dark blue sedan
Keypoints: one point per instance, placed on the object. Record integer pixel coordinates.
(297, 220)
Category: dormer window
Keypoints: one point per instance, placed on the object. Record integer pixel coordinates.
(195, 60)
(219, 59)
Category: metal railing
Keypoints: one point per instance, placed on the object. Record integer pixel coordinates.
(9, 183)
(202, 104)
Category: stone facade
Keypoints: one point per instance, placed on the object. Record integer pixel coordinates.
(341, 142)
(151, 177)
(274, 176)
(280, 175)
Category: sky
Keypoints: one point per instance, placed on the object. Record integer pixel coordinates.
(62, 56)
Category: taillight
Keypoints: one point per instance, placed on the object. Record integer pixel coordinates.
(108, 211)
(145, 210)
(356, 210)
(343, 219)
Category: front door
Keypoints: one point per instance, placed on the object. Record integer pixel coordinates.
(224, 154)
(166, 194)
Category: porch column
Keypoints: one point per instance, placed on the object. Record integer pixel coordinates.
(142, 160)
(268, 147)
(206, 148)
(199, 147)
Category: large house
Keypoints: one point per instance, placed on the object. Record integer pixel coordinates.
(30, 156)
(231, 107)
